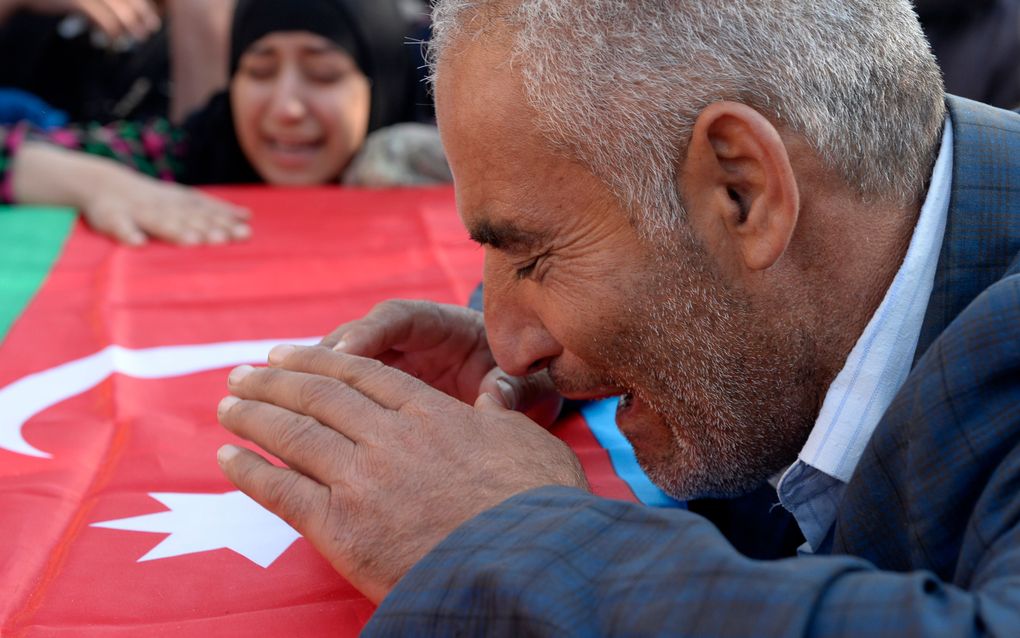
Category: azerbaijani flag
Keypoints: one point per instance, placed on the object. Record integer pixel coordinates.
(114, 516)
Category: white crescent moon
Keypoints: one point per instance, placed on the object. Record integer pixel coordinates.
(23, 399)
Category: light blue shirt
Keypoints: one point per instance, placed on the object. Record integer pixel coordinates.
(874, 372)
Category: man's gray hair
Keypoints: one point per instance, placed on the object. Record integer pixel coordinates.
(619, 84)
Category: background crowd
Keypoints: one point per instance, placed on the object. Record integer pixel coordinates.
(139, 99)
(143, 96)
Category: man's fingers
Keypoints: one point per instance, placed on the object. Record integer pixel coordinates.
(518, 393)
(295, 498)
(385, 325)
(534, 395)
(405, 326)
(386, 386)
(300, 441)
(324, 398)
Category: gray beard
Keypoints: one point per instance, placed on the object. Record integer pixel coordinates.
(734, 385)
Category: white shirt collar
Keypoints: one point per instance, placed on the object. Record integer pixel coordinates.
(879, 363)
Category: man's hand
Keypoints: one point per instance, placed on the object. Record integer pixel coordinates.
(446, 347)
(381, 466)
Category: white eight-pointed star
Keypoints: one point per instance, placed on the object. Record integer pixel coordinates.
(205, 522)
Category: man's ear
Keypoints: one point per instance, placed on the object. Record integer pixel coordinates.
(739, 184)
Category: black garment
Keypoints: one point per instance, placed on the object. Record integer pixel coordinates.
(977, 43)
(90, 84)
(373, 33)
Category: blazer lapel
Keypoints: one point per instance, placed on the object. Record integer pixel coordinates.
(983, 226)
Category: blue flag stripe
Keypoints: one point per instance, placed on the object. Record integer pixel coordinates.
(601, 419)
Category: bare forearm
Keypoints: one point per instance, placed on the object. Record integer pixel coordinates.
(199, 44)
(47, 174)
(118, 202)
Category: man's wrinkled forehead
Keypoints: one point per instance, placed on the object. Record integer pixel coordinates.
(488, 129)
(514, 188)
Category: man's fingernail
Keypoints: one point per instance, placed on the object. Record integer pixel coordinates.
(227, 452)
(341, 346)
(506, 392)
(225, 405)
(238, 374)
(278, 354)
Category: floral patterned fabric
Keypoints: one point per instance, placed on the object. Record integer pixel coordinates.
(155, 148)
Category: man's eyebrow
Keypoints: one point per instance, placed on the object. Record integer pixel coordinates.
(507, 236)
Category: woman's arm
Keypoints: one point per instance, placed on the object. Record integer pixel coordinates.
(119, 202)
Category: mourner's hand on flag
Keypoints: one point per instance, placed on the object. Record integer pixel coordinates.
(381, 465)
(135, 207)
(125, 205)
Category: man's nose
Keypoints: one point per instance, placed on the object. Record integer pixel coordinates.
(517, 337)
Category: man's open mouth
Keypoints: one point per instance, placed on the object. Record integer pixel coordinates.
(626, 401)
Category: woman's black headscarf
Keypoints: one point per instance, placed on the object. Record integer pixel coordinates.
(373, 32)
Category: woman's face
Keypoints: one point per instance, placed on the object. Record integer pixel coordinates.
(301, 108)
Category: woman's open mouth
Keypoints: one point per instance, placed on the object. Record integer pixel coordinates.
(293, 153)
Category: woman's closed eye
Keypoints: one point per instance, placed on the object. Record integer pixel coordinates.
(325, 74)
(327, 65)
(259, 71)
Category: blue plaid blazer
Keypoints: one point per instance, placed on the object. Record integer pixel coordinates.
(927, 540)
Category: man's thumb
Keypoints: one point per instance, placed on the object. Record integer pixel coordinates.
(534, 395)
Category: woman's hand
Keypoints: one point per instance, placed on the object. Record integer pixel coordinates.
(135, 207)
(121, 203)
(136, 19)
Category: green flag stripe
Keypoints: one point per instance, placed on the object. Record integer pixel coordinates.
(31, 240)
